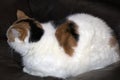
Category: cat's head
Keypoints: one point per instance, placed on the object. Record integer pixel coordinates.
(21, 28)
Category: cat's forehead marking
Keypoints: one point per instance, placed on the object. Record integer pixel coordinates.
(67, 36)
(29, 21)
(22, 25)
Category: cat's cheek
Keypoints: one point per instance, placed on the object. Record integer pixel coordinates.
(12, 45)
(19, 47)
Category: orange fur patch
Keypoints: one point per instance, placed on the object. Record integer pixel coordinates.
(113, 41)
(65, 38)
(22, 30)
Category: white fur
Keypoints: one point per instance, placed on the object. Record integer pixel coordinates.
(47, 58)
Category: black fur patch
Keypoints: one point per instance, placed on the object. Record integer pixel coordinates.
(72, 30)
(59, 22)
(35, 32)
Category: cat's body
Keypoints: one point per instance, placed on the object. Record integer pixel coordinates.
(80, 44)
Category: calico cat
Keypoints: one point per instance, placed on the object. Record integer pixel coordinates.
(75, 45)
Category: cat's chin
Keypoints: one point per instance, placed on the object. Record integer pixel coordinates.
(19, 47)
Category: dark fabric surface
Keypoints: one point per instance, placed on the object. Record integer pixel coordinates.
(44, 10)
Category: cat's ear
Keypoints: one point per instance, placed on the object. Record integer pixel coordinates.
(67, 36)
(21, 15)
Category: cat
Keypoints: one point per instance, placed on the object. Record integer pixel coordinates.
(77, 44)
